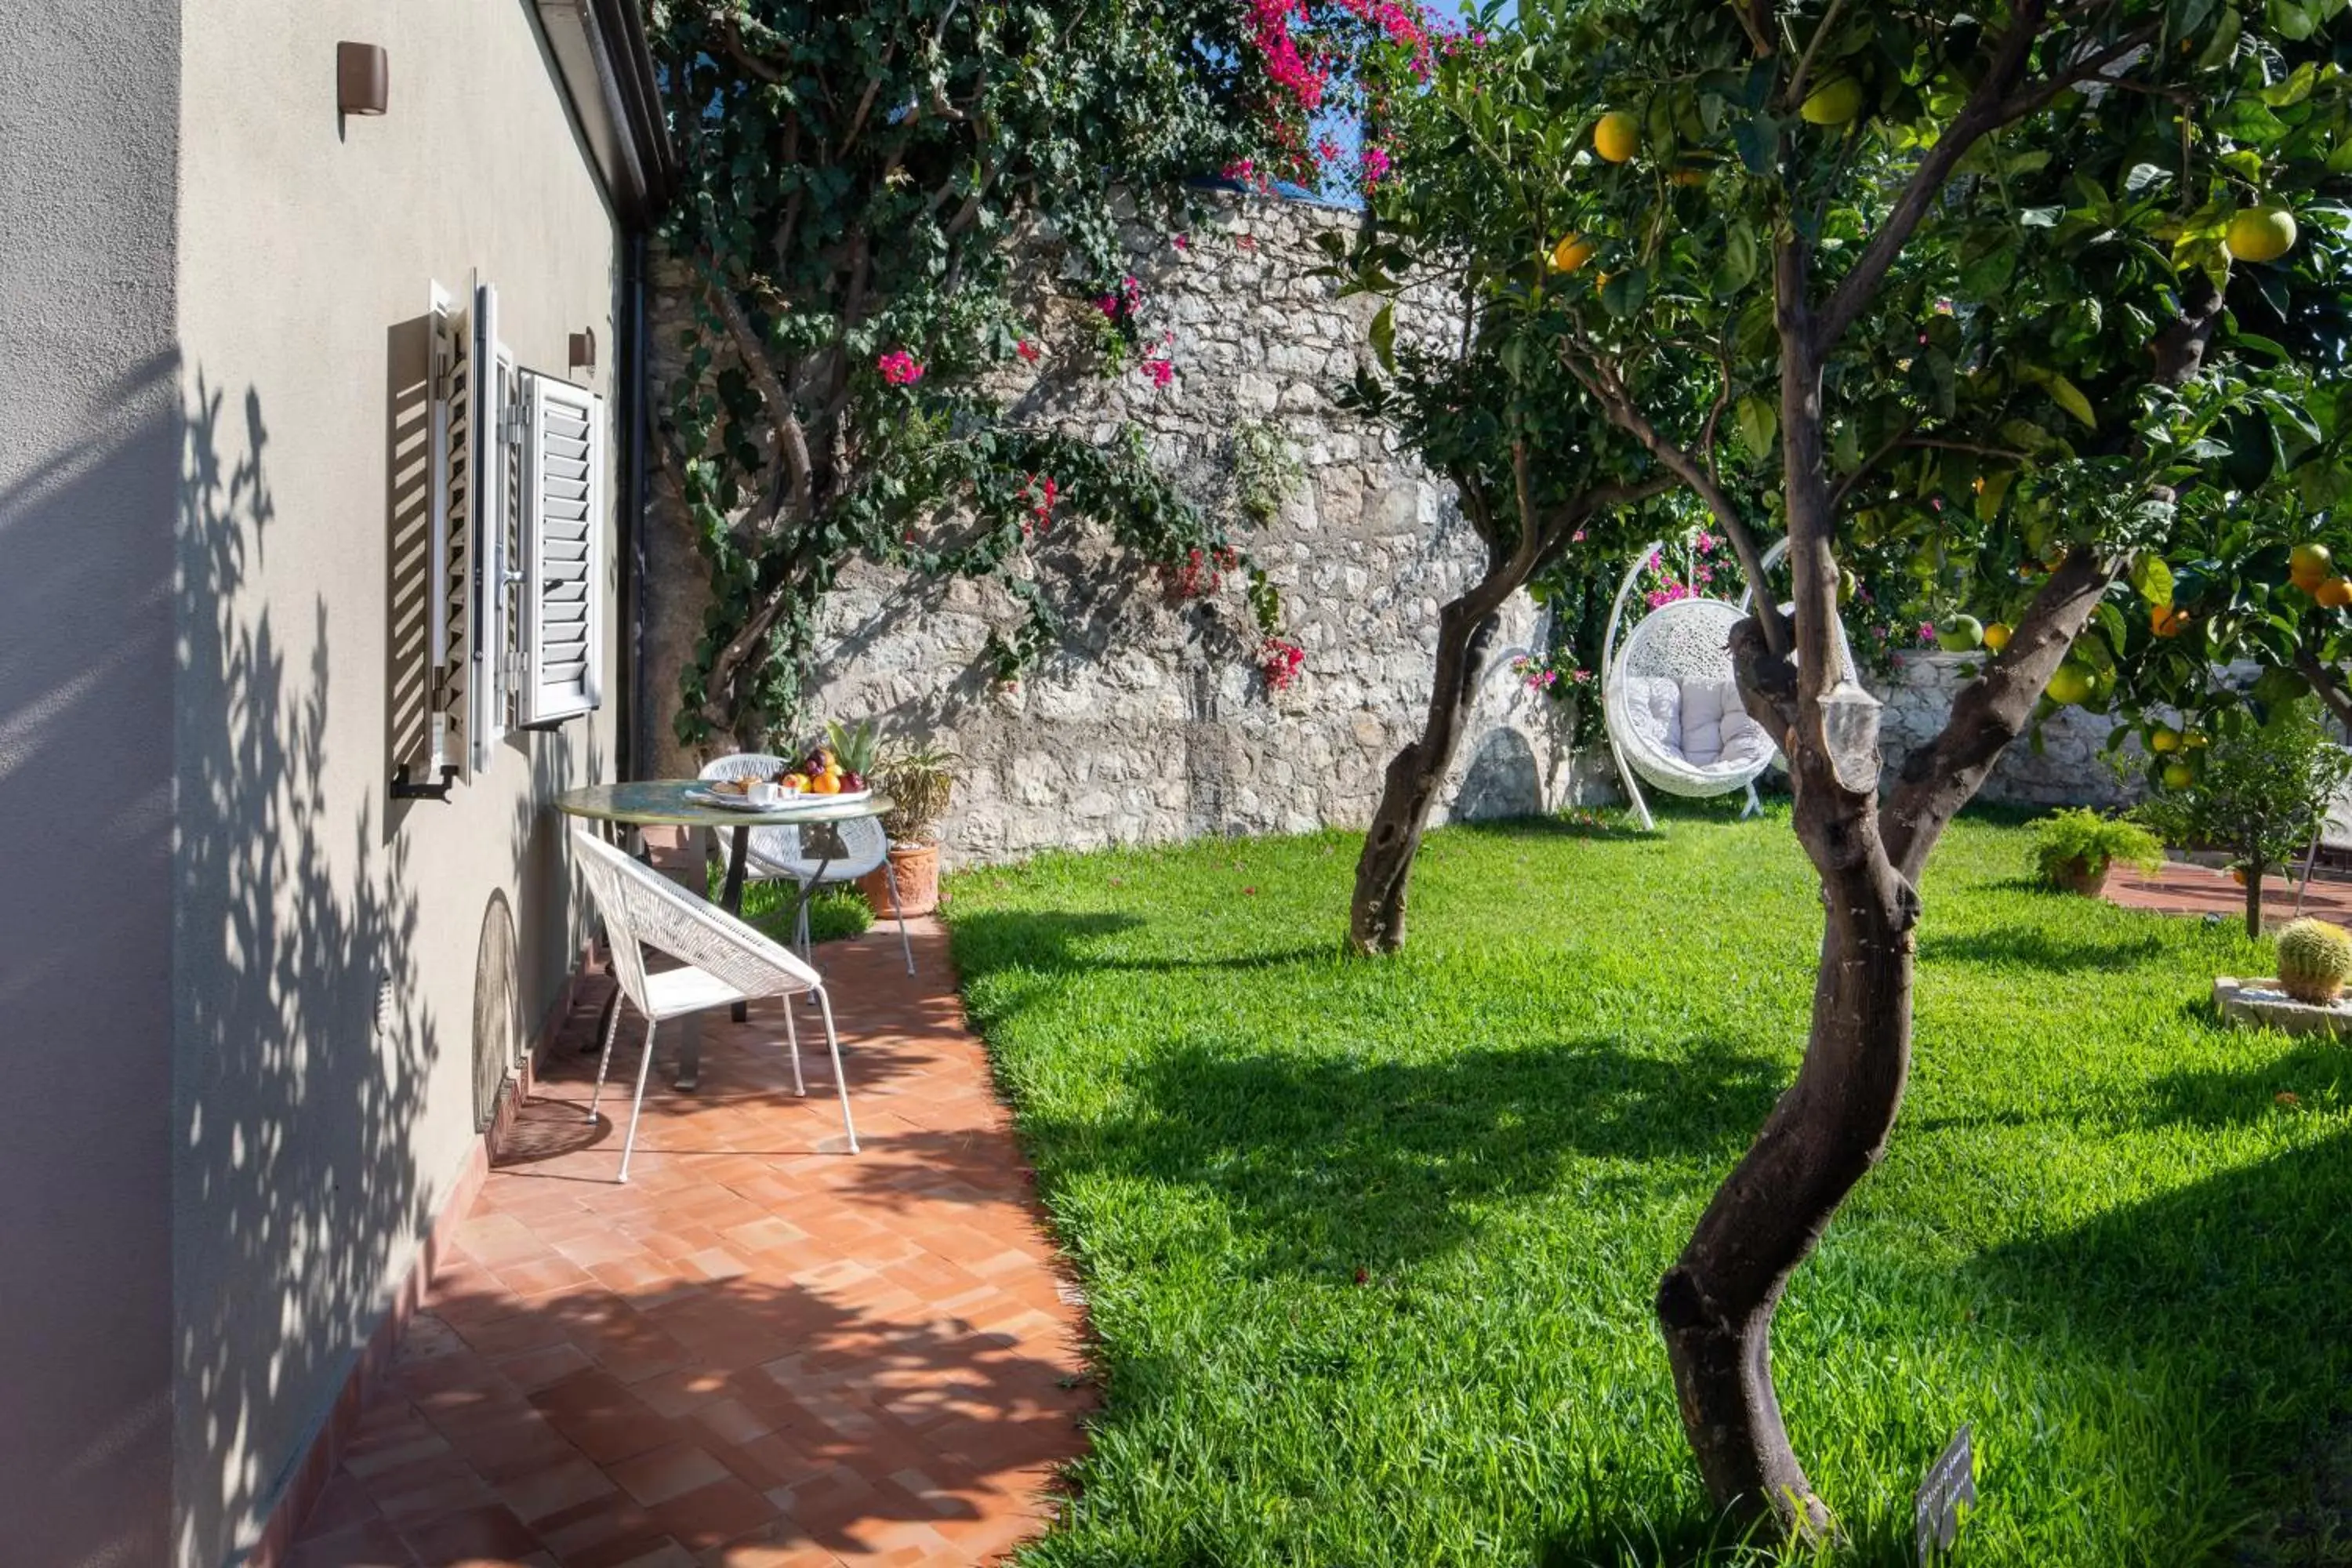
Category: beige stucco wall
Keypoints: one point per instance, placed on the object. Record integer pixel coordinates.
(314, 1137)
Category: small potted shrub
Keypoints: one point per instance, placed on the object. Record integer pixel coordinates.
(919, 781)
(2314, 960)
(2076, 849)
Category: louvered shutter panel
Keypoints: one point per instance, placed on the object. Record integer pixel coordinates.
(563, 537)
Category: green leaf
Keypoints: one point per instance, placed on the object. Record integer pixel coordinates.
(1383, 337)
(2153, 578)
(2069, 399)
(1759, 423)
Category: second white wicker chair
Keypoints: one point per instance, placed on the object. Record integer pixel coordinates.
(724, 962)
(777, 856)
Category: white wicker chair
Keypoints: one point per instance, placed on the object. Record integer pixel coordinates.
(776, 854)
(1670, 698)
(725, 962)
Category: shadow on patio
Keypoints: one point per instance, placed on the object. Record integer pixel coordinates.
(761, 1350)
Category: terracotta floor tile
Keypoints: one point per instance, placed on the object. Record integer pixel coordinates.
(668, 1472)
(490, 1531)
(760, 1352)
(712, 1515)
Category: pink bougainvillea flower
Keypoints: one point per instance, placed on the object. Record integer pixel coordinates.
(1577, 538)
(1180, 241)
(1160, 370)
(1376, 165)
(1927, 631)
(1027, 350)
(899, 368)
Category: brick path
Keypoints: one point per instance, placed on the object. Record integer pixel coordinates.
(2184, 889)
(762, 1352)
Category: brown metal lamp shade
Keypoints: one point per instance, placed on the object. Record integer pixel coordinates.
(362, 79)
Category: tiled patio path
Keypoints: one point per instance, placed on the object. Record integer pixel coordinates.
(2185, 889)
(763, 1352)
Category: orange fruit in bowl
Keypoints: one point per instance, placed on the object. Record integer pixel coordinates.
(825, 784)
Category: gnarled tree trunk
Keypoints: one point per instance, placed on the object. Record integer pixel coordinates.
(1465, 626)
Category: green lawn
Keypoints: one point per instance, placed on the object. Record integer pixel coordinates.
(1370, 1246)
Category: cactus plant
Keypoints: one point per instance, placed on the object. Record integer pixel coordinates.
(2314, 959)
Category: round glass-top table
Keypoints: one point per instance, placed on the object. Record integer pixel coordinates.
(663, 803)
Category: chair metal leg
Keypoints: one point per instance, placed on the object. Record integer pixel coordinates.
(629, 1145)
(832, 1044)
(793, 1043)
(890, 877)
(612, 1027)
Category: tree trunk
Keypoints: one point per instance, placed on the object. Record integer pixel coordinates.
(1717, 1303)
(2255, 901)
(1376, 914)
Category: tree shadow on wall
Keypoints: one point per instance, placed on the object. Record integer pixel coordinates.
(303, 1050)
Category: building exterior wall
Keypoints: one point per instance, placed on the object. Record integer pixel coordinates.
(89, 458)
(324, 976)
(1151, 723)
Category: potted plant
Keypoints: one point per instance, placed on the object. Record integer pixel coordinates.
(919, 781)
(2076, 849)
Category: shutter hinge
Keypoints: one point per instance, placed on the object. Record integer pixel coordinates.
(516, 667)
(514, 423)
(445, 369)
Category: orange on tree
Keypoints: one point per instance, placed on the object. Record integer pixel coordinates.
(1997, 635)
(2071, 684)
(2163, 739)
(1571, 253)
(2335, 593)
(2309, 566)
(2178, 775)
(2261, 234)
(2166, 620)
(1617, 137)
(1833, 103)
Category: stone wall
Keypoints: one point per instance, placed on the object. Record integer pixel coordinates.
(1150, 722)
(2069, 769)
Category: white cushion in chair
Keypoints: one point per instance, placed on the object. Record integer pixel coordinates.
(672, 993)
(1716, 731)
(1653, 712)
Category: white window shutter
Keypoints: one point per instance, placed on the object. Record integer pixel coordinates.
(561, 534)
(490, 425)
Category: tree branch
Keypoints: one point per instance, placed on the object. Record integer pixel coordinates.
(1980, 115)
(792, 440)
(1796, 93)
(2326, 681)
(1608, 391)
(1990, 712)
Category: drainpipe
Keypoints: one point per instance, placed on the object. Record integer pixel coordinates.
(634, 392)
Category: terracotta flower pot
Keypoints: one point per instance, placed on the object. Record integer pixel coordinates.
(2083, 877)
(916, 869)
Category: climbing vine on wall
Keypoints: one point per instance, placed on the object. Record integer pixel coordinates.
(861, 188)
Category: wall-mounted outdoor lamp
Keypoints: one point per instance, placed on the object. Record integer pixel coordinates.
(583, 349)
(362, 79)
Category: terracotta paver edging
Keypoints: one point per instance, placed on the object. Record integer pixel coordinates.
(2182, 889)
(762, 1351)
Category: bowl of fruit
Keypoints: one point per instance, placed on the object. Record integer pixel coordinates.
(827, 772)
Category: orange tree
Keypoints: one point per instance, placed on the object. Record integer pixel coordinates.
(1471, 384)
(1967, 290)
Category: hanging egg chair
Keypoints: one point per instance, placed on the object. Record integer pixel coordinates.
(1670, 698)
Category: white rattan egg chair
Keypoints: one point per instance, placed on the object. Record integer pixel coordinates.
(1670, 698)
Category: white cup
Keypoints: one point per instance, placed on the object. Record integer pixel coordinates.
(765, 792)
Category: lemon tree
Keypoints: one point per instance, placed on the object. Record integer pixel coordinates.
(1998, 300)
